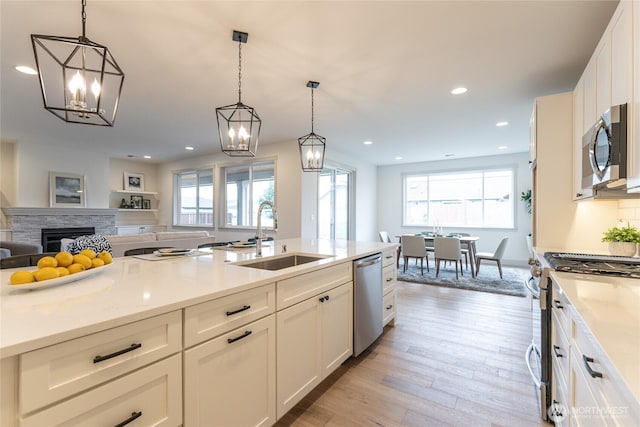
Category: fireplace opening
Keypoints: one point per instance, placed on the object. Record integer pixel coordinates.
(51, 237)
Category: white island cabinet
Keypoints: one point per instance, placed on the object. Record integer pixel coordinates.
(190, 341)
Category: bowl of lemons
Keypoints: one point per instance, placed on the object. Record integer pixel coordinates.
(62, 268)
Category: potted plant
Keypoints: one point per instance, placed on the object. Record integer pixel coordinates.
(622, 240)
(525, 196)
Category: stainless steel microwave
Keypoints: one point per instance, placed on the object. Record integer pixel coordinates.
(604, 150)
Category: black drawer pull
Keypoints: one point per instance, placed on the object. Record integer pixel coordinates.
(324, 298)
(389, 307)
(232, 340)
(132, 347)
(389, 256)
(558, 303)
(389, 279)
(133, 416)
(321, 299)
(555, 351)
(587, 360)
(240, 310)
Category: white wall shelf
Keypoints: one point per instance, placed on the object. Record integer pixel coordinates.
(138, 210)
(135, 192)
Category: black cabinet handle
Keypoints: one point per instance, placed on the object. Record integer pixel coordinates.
(324, 298)
(578, 194)
(389, 307)
(587, 360)
(132, 347)
(389, 279)
(558, 303)
(240, 310)
(232, 340)
(321, 299)
(555, 351)
(133, 416)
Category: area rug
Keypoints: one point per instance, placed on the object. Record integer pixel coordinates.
(488, 280)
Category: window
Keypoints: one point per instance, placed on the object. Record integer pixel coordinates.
(481, 198)
(193, 198)
(246, 187)
(334, 203)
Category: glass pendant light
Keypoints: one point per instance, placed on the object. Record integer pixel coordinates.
(90, 76)
(238, 124)
(312, 145)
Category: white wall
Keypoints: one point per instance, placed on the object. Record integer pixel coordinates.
(389, 206)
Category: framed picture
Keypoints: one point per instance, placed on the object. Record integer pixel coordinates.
(146, 204)
(133, 181)
(66, 190)
(136, 202)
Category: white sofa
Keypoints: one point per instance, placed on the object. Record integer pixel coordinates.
(174, 239)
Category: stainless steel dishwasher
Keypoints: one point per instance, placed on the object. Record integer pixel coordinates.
(367, 302)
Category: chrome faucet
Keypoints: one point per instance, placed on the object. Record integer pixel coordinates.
(275, 224)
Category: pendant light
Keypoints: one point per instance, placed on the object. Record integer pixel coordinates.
(80, 80)
(312, 145)
(238, 124)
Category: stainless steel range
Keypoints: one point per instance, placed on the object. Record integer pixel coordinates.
(538, 355)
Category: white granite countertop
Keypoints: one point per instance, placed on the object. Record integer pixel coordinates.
(131, 289)
(610, 308)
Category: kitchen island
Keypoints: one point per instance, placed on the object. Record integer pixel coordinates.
(175, 304)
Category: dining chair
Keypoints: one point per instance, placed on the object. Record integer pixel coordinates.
(142, 251)
(465, 250)
(24, 260)
(448, 249)
(493, 256)
(413, 247)
(384, 237)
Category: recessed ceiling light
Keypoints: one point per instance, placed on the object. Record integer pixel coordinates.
(147, 157)
(368, 142)
(500, 124)
(502, 147)
(459, 90)
(398, 158)
(26, 70)
(189, 148)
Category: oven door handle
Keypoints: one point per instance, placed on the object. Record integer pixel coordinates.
(529, 285)
(532, 348)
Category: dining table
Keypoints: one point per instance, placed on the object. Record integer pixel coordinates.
(468, 241)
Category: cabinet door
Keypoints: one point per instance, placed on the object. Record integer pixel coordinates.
(337, 327)
(579, 192)
(230, 380)
(621, 54)
(634, 134)
(590, 112)
(298, 353)
(603, 74)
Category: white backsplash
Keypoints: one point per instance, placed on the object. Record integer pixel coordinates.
(629, 211)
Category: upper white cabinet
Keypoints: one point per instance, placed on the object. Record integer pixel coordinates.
(633, 181)
(579, 191)
(603, 76)
(622, 54)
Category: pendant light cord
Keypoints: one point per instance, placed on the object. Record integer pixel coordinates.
(84, 18)
(239, 72)
(311, 110)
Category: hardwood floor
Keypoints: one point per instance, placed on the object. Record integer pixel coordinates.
(454, 357)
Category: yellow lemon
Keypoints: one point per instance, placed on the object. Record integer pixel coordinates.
(82, 259)
(21, 277)
(65, 259)
(89, 253)
(106, 257)
(97, 262)
(63, 271)
(46, 273)
(76, 268)
(47, 261)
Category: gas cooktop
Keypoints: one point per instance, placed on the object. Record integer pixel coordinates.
(594, 264)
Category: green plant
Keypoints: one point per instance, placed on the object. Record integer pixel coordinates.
(525, 196)
(621, 234)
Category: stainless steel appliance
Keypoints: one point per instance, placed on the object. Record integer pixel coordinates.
(604, 151)
(367, 302)
(538, 354)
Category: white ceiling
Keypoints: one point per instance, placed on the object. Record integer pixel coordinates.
(385, 69)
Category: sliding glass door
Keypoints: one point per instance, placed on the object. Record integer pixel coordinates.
(334, 203)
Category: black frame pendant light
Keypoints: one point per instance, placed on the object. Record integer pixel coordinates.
(312, 145)
(238, 124)
(80, 80)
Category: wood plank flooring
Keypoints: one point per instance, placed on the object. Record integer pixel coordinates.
(453, 358)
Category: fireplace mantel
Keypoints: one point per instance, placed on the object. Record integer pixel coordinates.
(58, 211)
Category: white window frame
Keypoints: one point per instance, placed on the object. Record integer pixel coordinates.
(442, 221)
(177, 204)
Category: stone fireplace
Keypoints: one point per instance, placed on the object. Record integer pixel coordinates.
(26, 224)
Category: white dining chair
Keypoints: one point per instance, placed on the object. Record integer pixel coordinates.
(413, 247)
(448, 249)
(493, 256)
(384, 237)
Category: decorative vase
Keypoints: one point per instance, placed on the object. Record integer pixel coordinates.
(622, 248)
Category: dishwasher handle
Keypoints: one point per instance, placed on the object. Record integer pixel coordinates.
(365, 262)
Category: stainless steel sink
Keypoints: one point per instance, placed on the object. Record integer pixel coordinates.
(280, 262)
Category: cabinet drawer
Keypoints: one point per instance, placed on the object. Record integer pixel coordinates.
(153, 395)
(53, 373)
(389, 257)
(388, 307)
(559, 348)
(389, 275)
(299, 288)
(212, 318)
(560, 306)
(559, 393)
